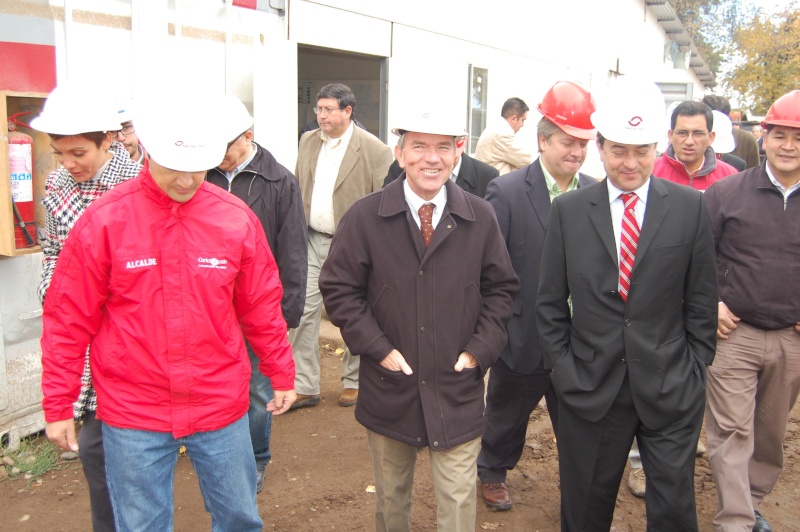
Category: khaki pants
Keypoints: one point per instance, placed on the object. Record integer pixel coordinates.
(454, 475)
(305, 338)
(752, 387)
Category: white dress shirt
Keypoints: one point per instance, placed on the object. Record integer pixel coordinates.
(415, 202)
(618, 208)
(331, 154)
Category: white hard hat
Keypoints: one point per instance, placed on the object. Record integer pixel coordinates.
(125, 111)
(429, 122)
(235, 117)
(72, 109)
(182, 132)
(630, 111)
(723, 129)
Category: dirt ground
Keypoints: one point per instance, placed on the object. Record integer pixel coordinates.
(320, 478)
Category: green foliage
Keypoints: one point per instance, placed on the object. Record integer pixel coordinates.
(36, 457)
(712, 25)
(766, 58)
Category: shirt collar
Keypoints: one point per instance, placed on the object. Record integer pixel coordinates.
(550, 181)
(230, 175)
(415, 202)
(777, 183)
(641, 192)
(456, 169)
(344, 140)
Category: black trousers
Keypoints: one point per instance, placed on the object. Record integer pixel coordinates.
(510, 399)
(592, 457)
(93, 459)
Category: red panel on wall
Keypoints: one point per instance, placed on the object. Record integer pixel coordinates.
(27, 67)
(249, 4)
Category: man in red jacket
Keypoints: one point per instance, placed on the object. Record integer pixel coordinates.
(164, 302)
(689, 159)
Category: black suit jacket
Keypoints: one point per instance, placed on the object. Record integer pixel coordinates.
(664, 337)
(522, 204)
(473, 176)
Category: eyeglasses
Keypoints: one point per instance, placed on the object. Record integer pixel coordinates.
(685, 134)
(231, 143)
(127, 130)
(325, 110)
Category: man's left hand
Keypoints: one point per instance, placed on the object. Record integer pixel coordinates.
(465, 360)
(282, 401)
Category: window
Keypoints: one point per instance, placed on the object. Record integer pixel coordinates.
(476, 112)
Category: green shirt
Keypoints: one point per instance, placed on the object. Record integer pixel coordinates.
(554, 191)
(552, 187)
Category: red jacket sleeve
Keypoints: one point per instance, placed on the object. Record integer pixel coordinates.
(257, 299)
(72, 316)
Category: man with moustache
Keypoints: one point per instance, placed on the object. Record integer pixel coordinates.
(336, 165)
(755, 379)
(127, 135)
(635, 256)
(421, 285)
(521, 200)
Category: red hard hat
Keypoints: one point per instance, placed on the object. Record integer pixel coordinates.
(570, 106)
(785, 111)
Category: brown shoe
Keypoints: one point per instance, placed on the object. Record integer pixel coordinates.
(304, 401)
(637, 482)
(348, 397)
(495, 495)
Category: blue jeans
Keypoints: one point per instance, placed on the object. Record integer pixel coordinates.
(260, 420)
(140, 466)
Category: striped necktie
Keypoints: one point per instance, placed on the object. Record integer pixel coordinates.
(628, 242)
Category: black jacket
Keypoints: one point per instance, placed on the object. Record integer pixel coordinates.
(274, 195)
(473, 176)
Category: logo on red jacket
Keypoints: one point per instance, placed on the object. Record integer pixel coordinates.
(217, 264)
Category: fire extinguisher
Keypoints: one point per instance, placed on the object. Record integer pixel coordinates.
(20, 159)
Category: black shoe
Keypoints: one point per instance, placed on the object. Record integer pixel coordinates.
(761, 524)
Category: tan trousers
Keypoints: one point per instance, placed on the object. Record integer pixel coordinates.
(454, 474)
(305, 338)
(752, 387)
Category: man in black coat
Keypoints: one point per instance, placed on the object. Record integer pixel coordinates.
(521, 199)
(627, 315)
(253, 175)
(470, 174)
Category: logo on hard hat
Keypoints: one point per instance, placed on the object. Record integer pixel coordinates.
(425, 115)
(184, 145)
(635, 121)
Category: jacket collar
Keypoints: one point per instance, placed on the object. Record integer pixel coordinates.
(709, 162)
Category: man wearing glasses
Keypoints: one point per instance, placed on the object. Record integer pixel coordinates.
(127, 135)
(337, 164)
(689, 159)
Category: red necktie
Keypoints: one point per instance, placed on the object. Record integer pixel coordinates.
(426, 222)
(629, 240)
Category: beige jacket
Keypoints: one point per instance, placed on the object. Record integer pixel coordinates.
(365, 165)
(498, 147)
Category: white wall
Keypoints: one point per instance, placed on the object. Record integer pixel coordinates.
(526, 46)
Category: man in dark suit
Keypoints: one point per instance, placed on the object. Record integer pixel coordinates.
(629, 357)
(521, 199)
(470, 174)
